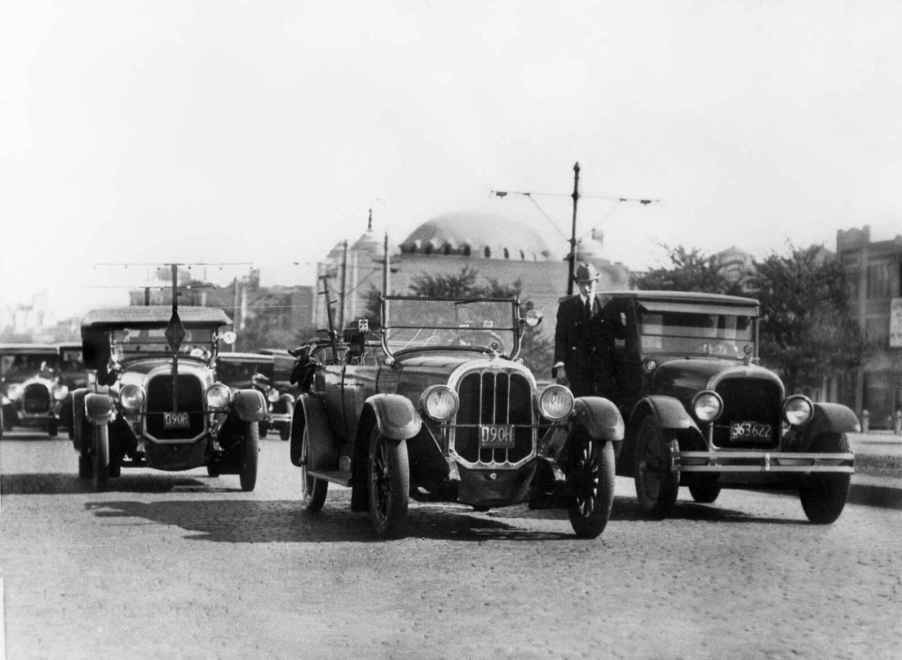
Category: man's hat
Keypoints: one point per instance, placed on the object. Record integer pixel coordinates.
(585, 272)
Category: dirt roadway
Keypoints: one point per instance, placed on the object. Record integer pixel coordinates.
(181, 565)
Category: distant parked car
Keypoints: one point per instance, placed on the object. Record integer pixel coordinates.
(701, 412)
(243, 370)
(73, 375)
(30, 390)
(438, 408)
(153, 399)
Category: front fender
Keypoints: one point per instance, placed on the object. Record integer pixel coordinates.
(600, 418)
(828, 418)
(78, 416)
(669, 412)
(249, 405)
(310, 418)
(100, 409)
(396, 418)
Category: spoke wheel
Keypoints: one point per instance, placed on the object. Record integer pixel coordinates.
(388, 484)
(824, 496)
(100, 456)
(250, 452)
(656, 484)
(592, 481)
(313, 490)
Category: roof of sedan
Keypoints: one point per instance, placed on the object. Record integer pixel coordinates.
(683, 296)
(154, 316)
(48, 349)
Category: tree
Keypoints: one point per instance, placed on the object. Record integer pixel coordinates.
(807, 330)
(690, 270)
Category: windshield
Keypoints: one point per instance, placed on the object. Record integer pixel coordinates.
(479, 324)
(24, 365)
(130, 343)
(71, 359)
(682, 333)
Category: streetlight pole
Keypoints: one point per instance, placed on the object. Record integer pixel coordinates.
(571, 258)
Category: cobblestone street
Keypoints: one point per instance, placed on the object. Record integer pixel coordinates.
(183, 565)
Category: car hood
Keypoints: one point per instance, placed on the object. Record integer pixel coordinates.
(684, 377)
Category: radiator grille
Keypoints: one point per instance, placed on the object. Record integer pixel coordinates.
(748, 400)
(36, 398)
(159, 400)
(498, 398)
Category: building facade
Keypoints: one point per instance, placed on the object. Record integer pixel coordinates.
(874, 270)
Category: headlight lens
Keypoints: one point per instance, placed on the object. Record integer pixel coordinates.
(14, 391)
(273, 395)
(131, 397)
(218, 396)
(798, 409)
(707, 406)
(439, 402)
(555, 402)
(60, 392)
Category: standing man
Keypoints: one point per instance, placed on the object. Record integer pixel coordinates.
(584, 340)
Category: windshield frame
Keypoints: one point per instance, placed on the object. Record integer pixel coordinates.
(710, 342)
(122, 357)
(514, 328)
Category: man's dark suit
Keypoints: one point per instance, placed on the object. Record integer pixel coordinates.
(584, 342)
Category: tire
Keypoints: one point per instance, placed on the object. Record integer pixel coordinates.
(592, 479)
(85, 467)
(704, 488)
(656, 485)
(52, 428)
(213, 470)
(313, 490)
(100, 456)
(388, 485)
(250, 451)
(823, 496)
(284, 433)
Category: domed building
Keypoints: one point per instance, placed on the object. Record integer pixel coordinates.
(495, 246)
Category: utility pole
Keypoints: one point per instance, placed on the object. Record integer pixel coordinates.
(341, 298)
(571, 257)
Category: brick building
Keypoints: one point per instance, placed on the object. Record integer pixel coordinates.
(875, 275)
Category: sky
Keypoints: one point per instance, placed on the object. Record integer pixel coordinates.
(261, 132)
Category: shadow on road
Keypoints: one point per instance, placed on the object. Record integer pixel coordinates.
(61, 484)
(283, 521)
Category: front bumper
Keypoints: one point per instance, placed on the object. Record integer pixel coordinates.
(765, 461)
(278, 418)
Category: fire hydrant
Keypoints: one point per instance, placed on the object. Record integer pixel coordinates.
(897, 422)
(865, 421)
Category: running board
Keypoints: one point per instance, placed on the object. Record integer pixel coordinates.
(335, 476)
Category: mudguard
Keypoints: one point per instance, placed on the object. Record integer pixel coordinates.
(668, 412)
(396, 418)
(828, 418)
(310, 418)
(249, 405)
(100, 409)
(600, 418)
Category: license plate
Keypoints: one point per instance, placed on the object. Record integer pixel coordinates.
(175, 420)
(496, 436)
(754, 431)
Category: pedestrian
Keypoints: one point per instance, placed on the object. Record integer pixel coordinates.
(584, 339)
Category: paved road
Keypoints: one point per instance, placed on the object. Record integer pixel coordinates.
(182, 565)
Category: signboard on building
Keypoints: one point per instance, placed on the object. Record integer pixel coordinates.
(895, 323)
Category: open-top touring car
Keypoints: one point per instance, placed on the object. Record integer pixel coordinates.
(153, 399)
(439, 409)
(701, 412)
(30, 390)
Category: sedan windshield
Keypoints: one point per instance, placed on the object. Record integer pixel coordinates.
(682, 333)
(130, 343)
(421, 323)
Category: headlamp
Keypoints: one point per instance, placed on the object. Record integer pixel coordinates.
(707, 406)
(131, 397)
(14, 391)
(218, 396)
(798, 409)
(439, 402)
(272, 395)
(60, 392)
(556, 402)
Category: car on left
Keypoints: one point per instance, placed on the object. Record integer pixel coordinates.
(153, 400)
(30, 390)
